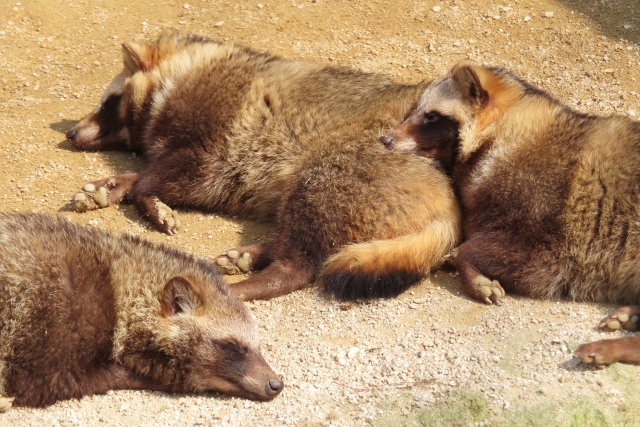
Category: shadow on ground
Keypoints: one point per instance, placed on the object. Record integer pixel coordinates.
(618, 19)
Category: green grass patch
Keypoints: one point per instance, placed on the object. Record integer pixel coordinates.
(460, 407)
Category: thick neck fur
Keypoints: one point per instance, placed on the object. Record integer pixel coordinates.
(526, 120)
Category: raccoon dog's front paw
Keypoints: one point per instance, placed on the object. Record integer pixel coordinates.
(596, 353)
(5, 403)
(91, 197)
(166, 219)
(486, 290)
(233, 262)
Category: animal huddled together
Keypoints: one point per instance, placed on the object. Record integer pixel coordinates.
(370, 183)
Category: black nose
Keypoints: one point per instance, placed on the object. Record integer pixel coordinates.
(387, 141)
(273, 387)
(71, 134)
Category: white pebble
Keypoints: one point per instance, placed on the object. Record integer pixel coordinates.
(186, 6)
(219, 24)
(260, 6)
(527, 18)
(633, 113)
(352, 352)
(436, 8)
(548, 14)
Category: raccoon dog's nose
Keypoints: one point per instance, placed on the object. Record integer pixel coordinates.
(387, 141)
(273, 387)
(71, 134)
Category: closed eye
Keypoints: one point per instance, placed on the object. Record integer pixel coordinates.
(432, 116)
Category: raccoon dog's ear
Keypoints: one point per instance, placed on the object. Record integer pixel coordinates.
(179, 296)
(468, 83)
(136, 56)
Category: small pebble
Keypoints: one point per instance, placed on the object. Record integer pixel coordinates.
(260, 6)
(527, 18)
(222, 414)
(353, 351)
(333, 415)
(219, 24)
(436, 9)
(548, 14)
(186, 6)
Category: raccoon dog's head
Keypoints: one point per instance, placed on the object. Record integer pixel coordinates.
(207, 340)
(119, 116)
(453, 112)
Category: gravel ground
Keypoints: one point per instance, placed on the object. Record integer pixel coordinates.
(429, 357)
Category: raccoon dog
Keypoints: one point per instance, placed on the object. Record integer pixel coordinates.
(84, 312)
(228, 129)
(549, 195)
(223, 127)
(364, 221)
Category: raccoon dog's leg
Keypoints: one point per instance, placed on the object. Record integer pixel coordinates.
(104, 192)
(279, 278)
(143, 195)
(487, 255)
(117, 377)
(624, 317)
(606, 352)
(245, 259)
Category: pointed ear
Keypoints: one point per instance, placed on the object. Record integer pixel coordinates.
(468, 83)
(180, 296)
(136, 56)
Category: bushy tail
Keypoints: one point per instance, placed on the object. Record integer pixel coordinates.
(386, 268)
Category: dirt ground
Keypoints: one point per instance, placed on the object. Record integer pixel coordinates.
(509, 365)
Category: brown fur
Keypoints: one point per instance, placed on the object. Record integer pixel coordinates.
(365, 221)
(225, 128)
(228, 129)
(549, 195)
(83, 312)
(625, 350)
